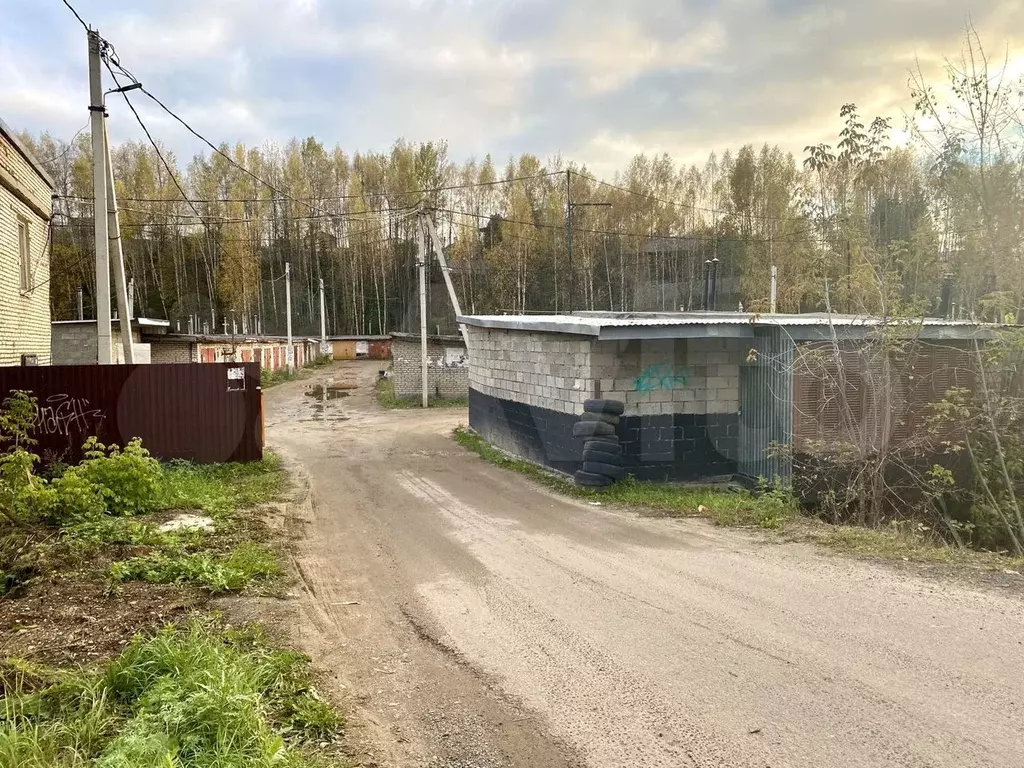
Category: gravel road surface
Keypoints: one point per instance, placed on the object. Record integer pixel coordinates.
(474, 620)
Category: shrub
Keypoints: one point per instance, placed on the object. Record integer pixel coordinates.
(127, 481)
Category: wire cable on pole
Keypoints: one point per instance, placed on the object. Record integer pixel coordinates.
(80, 20)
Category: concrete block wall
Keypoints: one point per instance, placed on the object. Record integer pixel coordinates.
(663, 376)
(73, 342)
(545, 370)
(24, 315)
(447, 367)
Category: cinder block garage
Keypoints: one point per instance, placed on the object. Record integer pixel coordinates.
(706, 394)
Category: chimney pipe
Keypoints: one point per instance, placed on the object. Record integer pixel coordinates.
(706, 304)
(714, 284)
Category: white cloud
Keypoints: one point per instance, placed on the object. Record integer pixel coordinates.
(597, 80)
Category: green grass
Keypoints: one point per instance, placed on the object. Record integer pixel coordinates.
(388, 399)
(220, 489)
(201, 696)
(249, 563)
(723, 507)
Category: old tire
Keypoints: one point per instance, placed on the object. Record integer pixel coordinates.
(605, 445)
(607, 418)
(592, 481)
(602, 457)
(592, 429)
(612, 407)
(614, 471)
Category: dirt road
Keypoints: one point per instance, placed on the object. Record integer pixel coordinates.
(476, 620)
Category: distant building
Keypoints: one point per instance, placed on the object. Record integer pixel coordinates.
(26, 207)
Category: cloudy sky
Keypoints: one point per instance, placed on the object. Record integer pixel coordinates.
(595, 80)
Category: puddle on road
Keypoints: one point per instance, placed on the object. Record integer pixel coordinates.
(329, 391)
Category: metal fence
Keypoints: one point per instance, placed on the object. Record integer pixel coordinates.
(206, 413)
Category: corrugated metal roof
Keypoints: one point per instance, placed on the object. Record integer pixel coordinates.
(622, 325)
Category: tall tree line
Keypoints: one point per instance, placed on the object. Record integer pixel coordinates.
(851, 225)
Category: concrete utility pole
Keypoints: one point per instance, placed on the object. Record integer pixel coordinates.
(446, 271)
(775, 289)
(289, 353)
(421, 262)
(323, 320)
(124, 312)
(104, 353)
(81, 304)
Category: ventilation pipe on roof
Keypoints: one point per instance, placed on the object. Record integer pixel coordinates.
(706, 303)
(714, 284)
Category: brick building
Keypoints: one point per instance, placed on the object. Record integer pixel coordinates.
(447, 366)
(706, 393)
(25, 211)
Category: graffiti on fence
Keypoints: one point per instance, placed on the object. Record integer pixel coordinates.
(662, 376)
(66, 415)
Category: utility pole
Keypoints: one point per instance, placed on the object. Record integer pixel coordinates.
(446, 271)
(323, 320)
(775, 289)
(421, 262)
(569, 208)
(81, 304)
(104, 353)
(289, 354)
(124, 312)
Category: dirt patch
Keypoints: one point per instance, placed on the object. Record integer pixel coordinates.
(74, 619)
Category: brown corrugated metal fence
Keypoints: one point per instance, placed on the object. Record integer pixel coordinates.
(204, 413)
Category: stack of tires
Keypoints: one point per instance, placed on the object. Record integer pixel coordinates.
(602, 452)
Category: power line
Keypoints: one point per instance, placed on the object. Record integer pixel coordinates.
(80, 21)
(149, 136)
(789, 237)
(337, 198)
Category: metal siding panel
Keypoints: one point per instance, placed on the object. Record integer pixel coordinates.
(180, 411)
(766, 407)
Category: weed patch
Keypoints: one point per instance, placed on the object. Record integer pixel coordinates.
(220, 489)
(248, 564)
(202, 695)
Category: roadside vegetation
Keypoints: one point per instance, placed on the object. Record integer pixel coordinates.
(270, 378)
(387, 397)
(767, 509)
(110, 653)
(201, 694)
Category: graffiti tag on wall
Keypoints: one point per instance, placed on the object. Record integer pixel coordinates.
(662, 376)
(66, 415)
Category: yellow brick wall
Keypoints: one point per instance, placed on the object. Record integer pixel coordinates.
(24, 317)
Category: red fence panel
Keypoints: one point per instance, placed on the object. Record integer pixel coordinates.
(206, 413)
